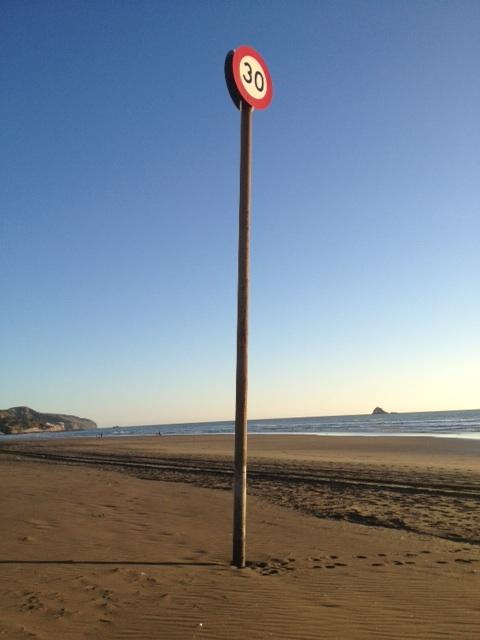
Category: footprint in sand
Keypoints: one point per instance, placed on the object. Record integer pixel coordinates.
(31, 603)
(273, 567)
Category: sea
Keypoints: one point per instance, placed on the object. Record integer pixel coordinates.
(445, 424)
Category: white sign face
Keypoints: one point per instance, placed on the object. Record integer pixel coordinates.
(253, 77)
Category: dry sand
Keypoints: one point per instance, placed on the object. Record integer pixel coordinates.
(91, 547)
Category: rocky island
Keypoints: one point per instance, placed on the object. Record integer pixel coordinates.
(378, 411)
(26, 420)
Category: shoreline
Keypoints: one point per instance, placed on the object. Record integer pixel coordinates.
(473, 436)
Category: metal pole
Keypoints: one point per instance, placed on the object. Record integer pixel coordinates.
(240, 488)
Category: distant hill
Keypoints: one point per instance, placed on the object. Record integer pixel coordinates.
(379, 411)
(26, 420)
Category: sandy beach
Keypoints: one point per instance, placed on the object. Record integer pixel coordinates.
(347, 538)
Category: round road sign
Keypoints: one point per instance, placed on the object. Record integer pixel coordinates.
(248, 78)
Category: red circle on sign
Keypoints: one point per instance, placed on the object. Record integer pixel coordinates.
(252, 77)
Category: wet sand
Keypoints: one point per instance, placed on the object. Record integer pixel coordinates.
(347, 538)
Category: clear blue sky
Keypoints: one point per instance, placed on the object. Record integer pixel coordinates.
(119, 195)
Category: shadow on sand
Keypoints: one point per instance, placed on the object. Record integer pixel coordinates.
(128, 563)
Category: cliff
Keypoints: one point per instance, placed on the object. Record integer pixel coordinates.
(26, 420)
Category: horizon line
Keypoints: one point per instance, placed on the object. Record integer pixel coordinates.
(232, 420)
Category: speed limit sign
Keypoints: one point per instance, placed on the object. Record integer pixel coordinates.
(250, 87)
(248, 78)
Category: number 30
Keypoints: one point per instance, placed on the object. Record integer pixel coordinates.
(258, 78)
